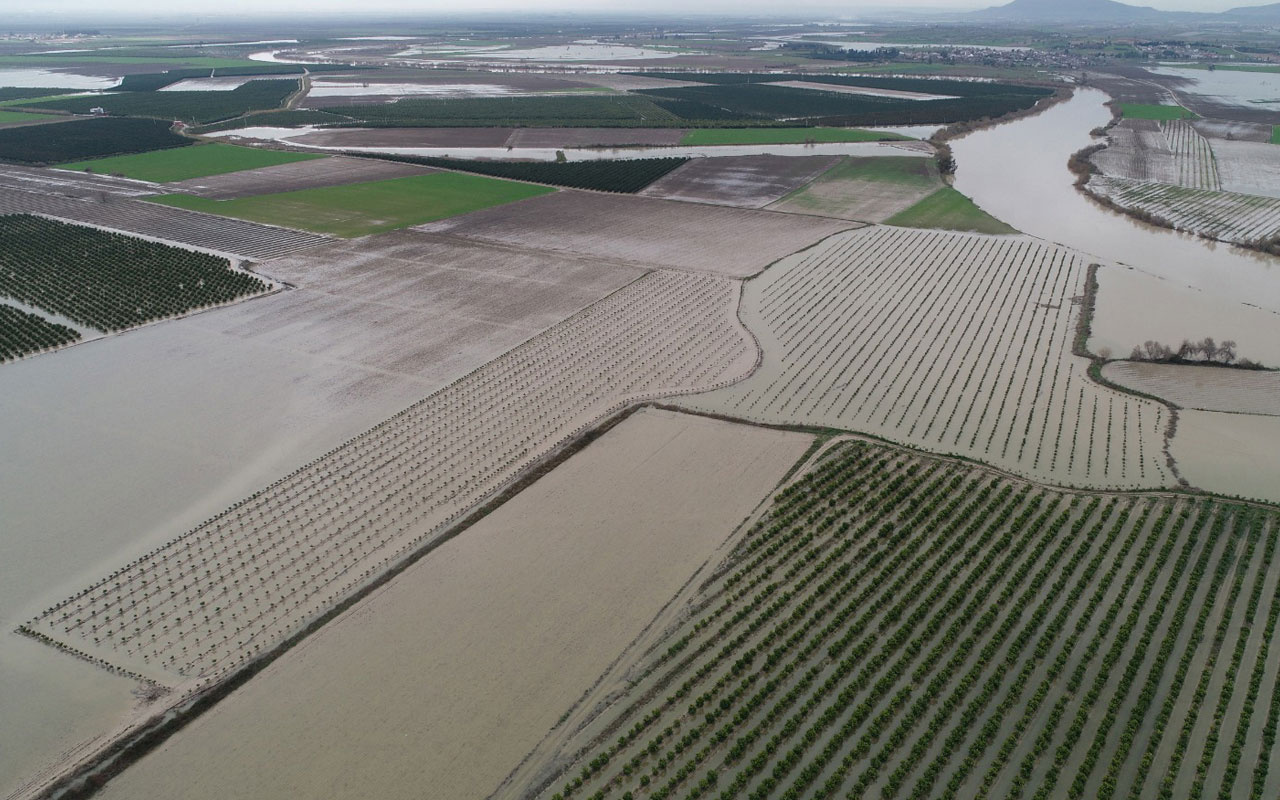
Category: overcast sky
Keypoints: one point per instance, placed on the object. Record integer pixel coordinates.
(453, 7)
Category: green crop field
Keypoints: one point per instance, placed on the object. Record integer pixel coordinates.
(899, 626)
(717, 136)
(948, 210)
(917, 173)
(78, 139)
(1275, 134)
(1160, 113)
(365, 208)
(28, 101)
(9, 117)
(180, 164)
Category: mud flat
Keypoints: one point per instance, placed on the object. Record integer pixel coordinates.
(1202, 388)
(1233, 454)
(743, 182)
(334, 171)
(450, 674)
(723, 241)
(1185, 313)
(208, 409)
(957, 344)
(1248, 167)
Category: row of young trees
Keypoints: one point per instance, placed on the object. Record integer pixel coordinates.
(1205, 351)
(23, 333)
(969, 636)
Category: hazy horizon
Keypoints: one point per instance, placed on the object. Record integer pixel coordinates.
(747, 8)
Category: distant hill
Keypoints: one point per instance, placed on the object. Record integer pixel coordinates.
(1075, 11)
(1256, 13)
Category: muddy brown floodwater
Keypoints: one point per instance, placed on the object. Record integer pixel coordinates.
(1018, 173)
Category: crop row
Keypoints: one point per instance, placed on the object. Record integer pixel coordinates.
(23, 333)
(949, 342)
(236, 585)
(108, 280)
(1228, 216)
(974, 639)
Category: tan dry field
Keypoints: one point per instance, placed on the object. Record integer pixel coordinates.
(1248, 167)
(405, 137)
(837, 194)
(315, 173)
(859, 90)
(439, 683)
(953, 343)
(740, 181)
(1202, 388)
(723, 241)
(206, 603)
(208, 409)
(1234, 454)
(1185, 314)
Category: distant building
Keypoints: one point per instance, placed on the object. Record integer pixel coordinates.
(99, 110)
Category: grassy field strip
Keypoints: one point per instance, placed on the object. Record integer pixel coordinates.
(900, 627)
(184, 163)
(1197, 165)
(948, 210)
(359, 209)
(210, 600)
(1275, 134)
(1160, 113)
(1231, 217)
(13, 117)
(958, 344)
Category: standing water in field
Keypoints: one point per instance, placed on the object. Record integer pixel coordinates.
(1018, 172)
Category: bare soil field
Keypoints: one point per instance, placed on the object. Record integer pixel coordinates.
(1202, 388)
(333, 171)
(212, 599)
(406, 137)
(640, 230)
(1185, 314)
(245, 240)
(1234, 454)
(1225, 216)
(1231, 130)
(1248, 167)
(455, 670)
(871, 190)
(956, 344)
(861, 90)
(208, 409)
(73, 185)
(740, 181)
(595, 137)
(1172, 153)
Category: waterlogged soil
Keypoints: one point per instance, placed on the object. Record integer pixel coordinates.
(1248, 167)
(1202, 388)
(444, 679)
(335, 171)
(207, 409)
(640, 230)
(744, 182)
(1233, 454)
(1171, 313)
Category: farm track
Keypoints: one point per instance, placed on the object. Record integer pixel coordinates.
(1226, 216)
(901, 627)
(206, 603)
(955, 344)
(248, 240)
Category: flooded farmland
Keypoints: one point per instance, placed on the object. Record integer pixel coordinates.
(1017, 172)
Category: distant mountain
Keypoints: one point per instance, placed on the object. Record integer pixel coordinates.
(1074, 11)
(1256, 13)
